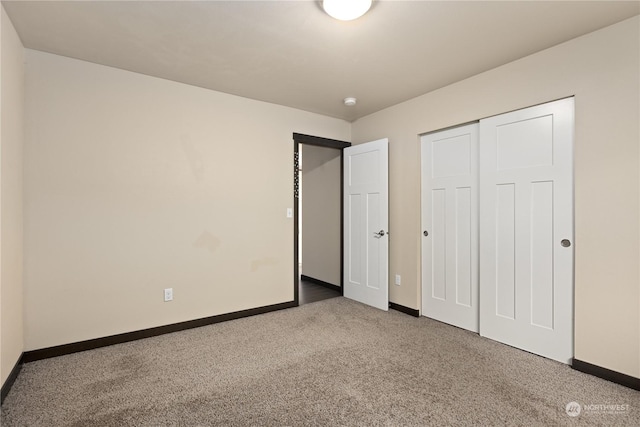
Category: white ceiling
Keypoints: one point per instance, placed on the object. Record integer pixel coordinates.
(292, 53)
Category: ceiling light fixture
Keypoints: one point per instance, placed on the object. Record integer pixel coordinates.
(346, 10)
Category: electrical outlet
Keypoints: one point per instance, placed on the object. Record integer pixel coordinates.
(168, 294)
(398, 279)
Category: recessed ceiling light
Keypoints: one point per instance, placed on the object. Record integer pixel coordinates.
(346, 10)
(350, 102)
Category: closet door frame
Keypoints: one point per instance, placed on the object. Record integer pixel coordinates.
(546, 330)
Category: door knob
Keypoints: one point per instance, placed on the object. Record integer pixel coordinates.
(379, 234)
(565, 243)
(426, 233)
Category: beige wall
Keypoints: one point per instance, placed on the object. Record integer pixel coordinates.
(321, 213)
(602, 70)
(134, 184)
(11, 142)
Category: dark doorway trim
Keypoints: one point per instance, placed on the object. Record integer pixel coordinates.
(299, 138)
(319, 141)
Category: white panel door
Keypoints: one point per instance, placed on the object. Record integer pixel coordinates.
(526, 229)
(450, 226)
(366, 223)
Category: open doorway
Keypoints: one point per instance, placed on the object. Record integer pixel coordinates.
(318, 251)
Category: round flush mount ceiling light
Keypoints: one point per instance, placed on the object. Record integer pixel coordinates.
(350, 102)
(346, 10)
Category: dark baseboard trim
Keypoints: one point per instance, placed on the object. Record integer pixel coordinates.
(6, 387)
(61, 350)
(321, 283)
(410, 311)
(606, 374)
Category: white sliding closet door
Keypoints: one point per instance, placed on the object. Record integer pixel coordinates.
(526, 229)
(450, 226)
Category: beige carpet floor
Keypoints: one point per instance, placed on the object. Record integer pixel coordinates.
(330, 363)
